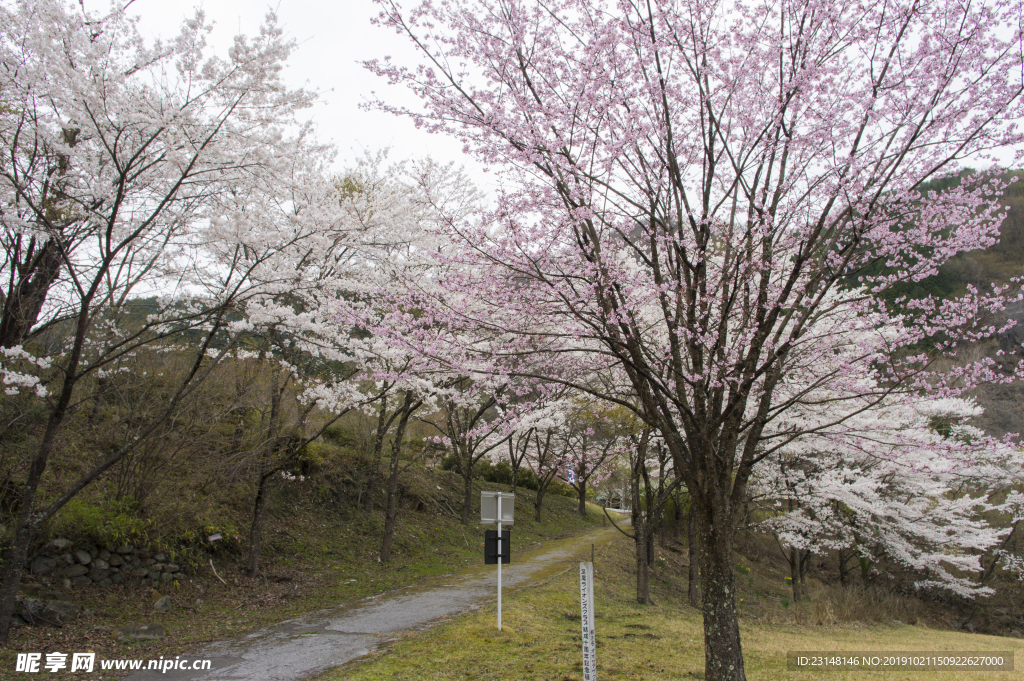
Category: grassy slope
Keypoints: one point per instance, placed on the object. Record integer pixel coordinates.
(540, 638)
(315, 558)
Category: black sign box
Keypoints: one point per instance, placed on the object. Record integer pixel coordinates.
(491, 547)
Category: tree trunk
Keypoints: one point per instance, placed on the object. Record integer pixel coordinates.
(641, 529)
(542, 488)
(97, 400)
(467, 494)
(649, 530)
(25, 300)
(17, 558)
(378, 451)
(236, 439)
(640, 540)
(649, 504)
(794, 573)
(693, 577)
(643, 579)
(392, 510)
(581, 492)
(677, 518)
(27, 523)
(804, 557)
(514, 464)
(723, 655)
(256, 530)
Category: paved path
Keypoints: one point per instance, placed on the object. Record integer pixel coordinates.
(309, 645)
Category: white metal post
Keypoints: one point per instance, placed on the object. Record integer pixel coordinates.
(499, 563)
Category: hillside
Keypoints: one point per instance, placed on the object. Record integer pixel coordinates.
(319, 551)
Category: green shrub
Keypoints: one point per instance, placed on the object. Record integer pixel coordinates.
(107, 521)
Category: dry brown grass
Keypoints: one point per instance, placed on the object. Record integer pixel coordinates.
(835, 605)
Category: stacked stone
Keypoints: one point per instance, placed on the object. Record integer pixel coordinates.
(102, 566)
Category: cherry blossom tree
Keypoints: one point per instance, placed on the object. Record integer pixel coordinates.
(399, 385)
(594, 441)
(518, 446)
(893, 488)
(392, 210)
(539, 436)
(135, 170)
(546, 459)
(470, 423)
(685, 183)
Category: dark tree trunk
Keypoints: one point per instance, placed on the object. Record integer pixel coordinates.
(515, 462)
(25, 298)
(677, 518)
(266, 469)
(649, 530)
(467, 493)
(17, 558)
(256, 530)
(542, 488)
(28, 522)
(236, 439)
(723, 655)
(649, 504)
(396, 450)
(643, 579)
(794, 574)
(581, 493)
(804, 557)
(640, 537)
(97, 400)
(378, 452)
(693, 576)
(537, 503)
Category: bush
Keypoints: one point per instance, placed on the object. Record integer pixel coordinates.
(107, 522)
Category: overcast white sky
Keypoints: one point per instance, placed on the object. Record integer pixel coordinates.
(333, 38)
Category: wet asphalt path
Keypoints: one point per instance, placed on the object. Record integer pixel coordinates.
(310, 645)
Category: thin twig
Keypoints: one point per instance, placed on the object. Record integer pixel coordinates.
(215, 573)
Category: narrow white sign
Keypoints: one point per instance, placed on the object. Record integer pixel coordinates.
(587, 621)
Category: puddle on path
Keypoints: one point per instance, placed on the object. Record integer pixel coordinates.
(309, 645)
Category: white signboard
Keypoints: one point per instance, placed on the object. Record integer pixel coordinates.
(587, 621)
(489, 508)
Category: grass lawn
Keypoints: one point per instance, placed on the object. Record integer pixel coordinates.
(541, 637)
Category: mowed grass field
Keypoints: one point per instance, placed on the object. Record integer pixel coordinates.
(540, 638)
